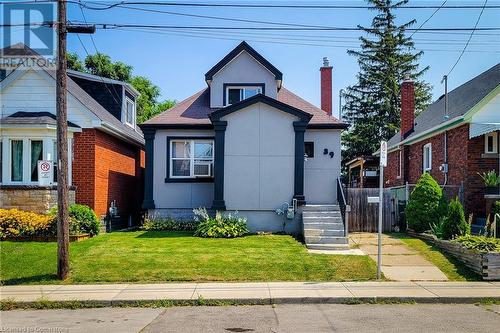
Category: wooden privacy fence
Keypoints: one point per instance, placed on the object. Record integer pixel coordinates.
(364, 216)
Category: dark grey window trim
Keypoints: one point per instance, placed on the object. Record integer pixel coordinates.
(225, 85)
(260, 98)
(186, 180)
(328, 126)
(298, 188)
(149, 136)
(220, 133)
(243, 46)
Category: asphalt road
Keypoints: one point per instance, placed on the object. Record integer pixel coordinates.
(279, 318)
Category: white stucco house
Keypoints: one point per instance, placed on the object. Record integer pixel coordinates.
(245, 143)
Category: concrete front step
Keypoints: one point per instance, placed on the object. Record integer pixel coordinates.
(327, 246)
(322, 214)
(317, 208)
(332, 240)
(324, 225)
(322, 220)
(323, 232)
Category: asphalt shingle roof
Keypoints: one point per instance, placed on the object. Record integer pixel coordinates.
(33, 118)
(195, 110)
(460, 100)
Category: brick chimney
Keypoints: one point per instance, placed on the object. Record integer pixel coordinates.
(407, 108)
(326, 86)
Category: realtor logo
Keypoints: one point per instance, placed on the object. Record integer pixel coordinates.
(29, 24)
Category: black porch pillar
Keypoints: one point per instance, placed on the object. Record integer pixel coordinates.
(220, 133)
(300, 128)
(149, 136)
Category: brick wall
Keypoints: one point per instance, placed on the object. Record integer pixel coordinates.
(114, 172)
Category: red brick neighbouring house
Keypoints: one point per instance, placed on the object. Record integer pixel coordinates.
(454, 146)
(105, 145)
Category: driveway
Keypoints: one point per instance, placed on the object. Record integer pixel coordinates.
(399, 263)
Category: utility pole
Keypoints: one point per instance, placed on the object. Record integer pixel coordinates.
(62, 138)
(62, 146)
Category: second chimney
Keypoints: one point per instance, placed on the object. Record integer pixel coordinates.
(407, 108)
(326, 86)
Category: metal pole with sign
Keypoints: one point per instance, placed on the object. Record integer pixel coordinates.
(383, 163)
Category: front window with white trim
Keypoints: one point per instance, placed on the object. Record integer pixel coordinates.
(427, 157)
(191, 158)
(491, 143)
(235, 94)
(129, 112)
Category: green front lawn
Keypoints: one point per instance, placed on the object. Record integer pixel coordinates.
(153, 256)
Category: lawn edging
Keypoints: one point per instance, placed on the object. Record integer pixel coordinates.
(485, 264)
(72, 238)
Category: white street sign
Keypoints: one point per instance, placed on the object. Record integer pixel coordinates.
(373, 200)
(383, 153)
(45, 173)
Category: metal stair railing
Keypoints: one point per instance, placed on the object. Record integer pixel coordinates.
(344, 207)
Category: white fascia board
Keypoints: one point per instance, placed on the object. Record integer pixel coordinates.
(113, 130)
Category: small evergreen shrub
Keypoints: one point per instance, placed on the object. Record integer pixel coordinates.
(426, 204)
(158, 223)
(222, 226)
(479, 243)
(83, 220)
(454, 224)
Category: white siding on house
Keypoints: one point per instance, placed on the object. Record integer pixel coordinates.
(242, 69)
(321, 172)
(259, 158)
(177, 195)
(35, 91)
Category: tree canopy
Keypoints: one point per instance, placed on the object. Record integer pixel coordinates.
(386, 58)
(101, 64)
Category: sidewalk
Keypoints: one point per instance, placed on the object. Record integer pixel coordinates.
(260, 292)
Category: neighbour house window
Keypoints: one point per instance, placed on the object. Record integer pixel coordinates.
(427, 156)
(400, 163)
(129, 112)
(36, 155)
(491, 143)
(191, 158)
(16, 161)
(235, 94)
(309, 149)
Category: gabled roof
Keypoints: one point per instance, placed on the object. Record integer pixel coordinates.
(243, 46)
(194, 112)
(260, 98)
(460, 100)
(33, 118)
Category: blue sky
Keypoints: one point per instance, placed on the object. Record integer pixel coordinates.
(177, 62)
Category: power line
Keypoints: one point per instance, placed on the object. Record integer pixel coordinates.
(428, 19)
(470, 37)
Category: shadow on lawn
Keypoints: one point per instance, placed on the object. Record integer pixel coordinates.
(165, 234)
(39, 279)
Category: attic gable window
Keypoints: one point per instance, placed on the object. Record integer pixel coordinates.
(129, 112)
(235, 94)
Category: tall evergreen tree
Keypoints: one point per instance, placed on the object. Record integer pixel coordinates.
(386, 58)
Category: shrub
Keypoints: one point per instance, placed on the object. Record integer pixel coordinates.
(158, 223)
(222, 226)
(437, 229)
(479, 243)
(83, 220)
(426, 204)
(495, 209)
(18, 223)
(454, 224)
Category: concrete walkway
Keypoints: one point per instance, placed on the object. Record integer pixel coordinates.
(260, 292)
(399, 263)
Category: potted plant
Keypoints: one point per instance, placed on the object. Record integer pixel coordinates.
(491, 181)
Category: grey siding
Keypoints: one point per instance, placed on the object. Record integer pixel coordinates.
(242, 69)
(259, 158)
(177, 195)
(321, 172)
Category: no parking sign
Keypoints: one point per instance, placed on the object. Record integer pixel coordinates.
(45, 173)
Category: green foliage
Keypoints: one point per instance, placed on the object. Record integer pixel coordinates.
(438, 229)
(83, 220)
(454, 222)
(490, 178)
(425, 205)
(100, 64)
(386, 58)
(222, 226)
(158, 223)
(479, 243)
(495, 208)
